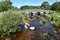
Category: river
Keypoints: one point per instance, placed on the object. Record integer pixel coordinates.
(38, 33)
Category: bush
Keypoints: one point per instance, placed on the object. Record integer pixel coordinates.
(25, 16)
(9, 22)
(53, 18)
(42, 21)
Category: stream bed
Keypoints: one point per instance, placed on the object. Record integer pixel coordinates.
(40, 33)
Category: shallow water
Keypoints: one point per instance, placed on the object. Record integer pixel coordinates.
(37, 34)
(27, 34)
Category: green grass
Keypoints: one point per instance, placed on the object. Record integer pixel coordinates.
(53, 18)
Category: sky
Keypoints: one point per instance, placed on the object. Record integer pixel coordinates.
(19, 3)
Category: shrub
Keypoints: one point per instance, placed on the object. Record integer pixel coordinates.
(9, 22)
(42, 21)
(25, 16)
(53, 18)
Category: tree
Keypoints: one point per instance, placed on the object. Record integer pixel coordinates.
(29, 7)
(5, 5)
(55, 6)
(24, 7)
(45, 5)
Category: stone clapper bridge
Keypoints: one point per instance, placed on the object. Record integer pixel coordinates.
(36, 10)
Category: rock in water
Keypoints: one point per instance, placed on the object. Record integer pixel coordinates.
(32, 28)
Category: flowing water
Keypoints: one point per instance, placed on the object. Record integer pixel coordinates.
(40, 33)
(37, 34)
